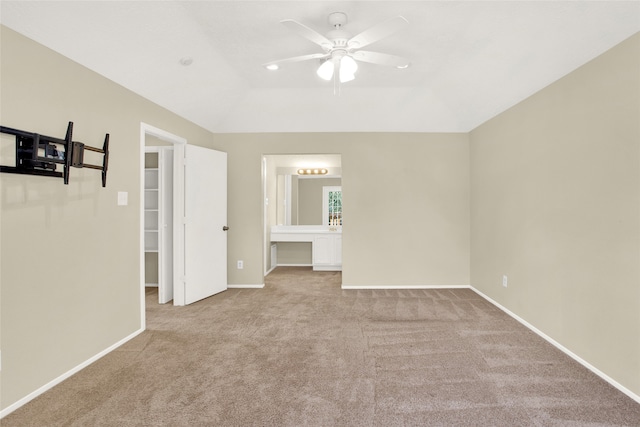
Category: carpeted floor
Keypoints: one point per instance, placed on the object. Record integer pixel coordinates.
(303, 352)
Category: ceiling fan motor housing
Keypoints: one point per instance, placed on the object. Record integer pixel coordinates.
(337, 19)
(338, 36)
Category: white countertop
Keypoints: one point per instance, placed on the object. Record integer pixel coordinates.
(301, 233)
(306, 229)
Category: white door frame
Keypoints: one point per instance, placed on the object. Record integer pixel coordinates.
(178, 208)
(265, 203)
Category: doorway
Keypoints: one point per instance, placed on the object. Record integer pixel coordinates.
(293, 199)
(199, 216)
(151, 136)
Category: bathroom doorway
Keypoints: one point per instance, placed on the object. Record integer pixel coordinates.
(295, 198)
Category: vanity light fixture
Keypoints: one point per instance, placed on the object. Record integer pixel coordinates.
(312, 171)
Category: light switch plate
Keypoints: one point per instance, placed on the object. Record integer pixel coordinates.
(123, 198)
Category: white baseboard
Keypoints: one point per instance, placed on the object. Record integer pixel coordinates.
(9, 409)
(249, 286)
(405, 287)
(327, 268)
(562, 348)
(295, 265)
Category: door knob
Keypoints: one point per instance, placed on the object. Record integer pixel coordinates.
(225, 228)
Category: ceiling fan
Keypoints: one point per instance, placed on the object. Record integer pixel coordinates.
(341, 50)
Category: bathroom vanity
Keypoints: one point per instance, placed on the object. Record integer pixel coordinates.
(326, 243)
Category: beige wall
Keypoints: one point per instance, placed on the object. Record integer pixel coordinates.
(556, 207)
(70, 272)
(406, 204)
(295, 253)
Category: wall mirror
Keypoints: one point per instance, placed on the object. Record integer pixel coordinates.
(299, 198)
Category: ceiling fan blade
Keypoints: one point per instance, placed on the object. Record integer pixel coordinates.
(381, 59)
(308, 33)
(377, 32)
(298, 59)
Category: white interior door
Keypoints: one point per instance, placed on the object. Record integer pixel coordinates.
(205, 220)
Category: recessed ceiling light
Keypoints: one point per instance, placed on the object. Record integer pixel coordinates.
(402, 67)
(186, 61)
(272, 67)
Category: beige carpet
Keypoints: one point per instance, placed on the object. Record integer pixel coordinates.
(303, 352)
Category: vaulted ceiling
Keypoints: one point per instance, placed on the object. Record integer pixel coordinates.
(470, 60)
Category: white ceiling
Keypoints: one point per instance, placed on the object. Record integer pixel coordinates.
(470, 60)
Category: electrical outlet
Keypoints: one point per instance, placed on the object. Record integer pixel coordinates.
(504, 281)
(240, 264)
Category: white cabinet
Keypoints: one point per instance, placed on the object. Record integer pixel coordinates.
(327, 252)
(326, 243)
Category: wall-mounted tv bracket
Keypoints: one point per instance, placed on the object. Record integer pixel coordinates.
(40, 154)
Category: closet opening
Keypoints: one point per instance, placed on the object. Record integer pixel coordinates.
(159, 188)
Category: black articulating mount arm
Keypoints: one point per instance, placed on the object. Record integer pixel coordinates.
(40, 154)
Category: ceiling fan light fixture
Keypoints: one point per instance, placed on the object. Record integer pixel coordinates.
(346, 77)
(348, 68)
(271, 67)
(325, 71)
